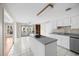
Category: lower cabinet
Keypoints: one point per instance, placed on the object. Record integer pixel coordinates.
(65, 42)
(62, 40)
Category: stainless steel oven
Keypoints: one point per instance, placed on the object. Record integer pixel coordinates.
(74, 43)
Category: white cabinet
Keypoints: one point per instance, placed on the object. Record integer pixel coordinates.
(62, 40)
(59, 22)
(65, 42)
(65, 21)
(75, 22)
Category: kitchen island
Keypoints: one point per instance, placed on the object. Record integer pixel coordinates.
(43, 46)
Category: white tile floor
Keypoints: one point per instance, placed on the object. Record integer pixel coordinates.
(60, 52)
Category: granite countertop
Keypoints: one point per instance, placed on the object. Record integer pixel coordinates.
(46, 40)
(74, 35)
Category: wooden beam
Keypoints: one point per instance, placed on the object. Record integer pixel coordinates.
(44, 9)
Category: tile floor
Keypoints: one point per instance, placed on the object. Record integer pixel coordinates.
(64, 52)
(60, 52)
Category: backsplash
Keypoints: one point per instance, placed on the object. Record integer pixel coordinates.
(62, 29)
(66, 29)
(76, 31)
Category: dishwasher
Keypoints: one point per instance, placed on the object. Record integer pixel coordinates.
(74, 44)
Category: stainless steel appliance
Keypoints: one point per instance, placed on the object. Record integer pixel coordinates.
(74, 43)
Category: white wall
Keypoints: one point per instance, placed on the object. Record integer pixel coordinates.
(50, 26)
(1, 37)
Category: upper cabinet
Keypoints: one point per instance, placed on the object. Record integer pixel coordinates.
(63, 21)
(66, 21)
(59, 22)
(75, 22)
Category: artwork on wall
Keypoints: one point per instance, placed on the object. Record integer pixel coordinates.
(23, 30)
(9, 29)
(26, 30)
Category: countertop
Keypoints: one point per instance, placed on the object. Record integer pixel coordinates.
(74, 35)
(46, 40)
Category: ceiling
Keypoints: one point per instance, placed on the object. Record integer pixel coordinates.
(26, 12)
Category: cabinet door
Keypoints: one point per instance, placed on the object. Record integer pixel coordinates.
(66, 42)
(59, 42)
(75, 22)
(66, 21)
(59, 22)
